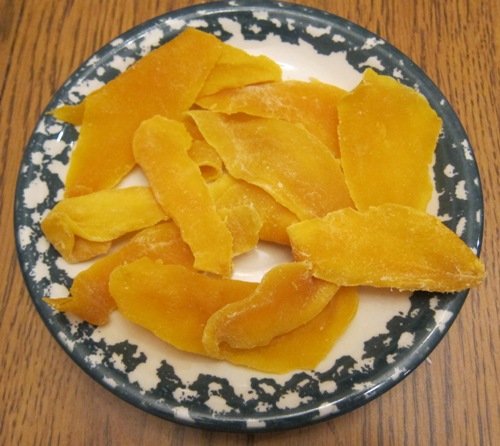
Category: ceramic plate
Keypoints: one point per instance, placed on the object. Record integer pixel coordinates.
(392, 332)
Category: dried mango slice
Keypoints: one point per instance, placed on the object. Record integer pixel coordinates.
(386, 246)
(236, 68)
(155, 296)
(288, 297)
(89, 294)
(207, 159)
(387, 136)
(313, 104)
(244, 224)
(284, 159)
(306, 346)
(275, 217)
(160, 148)
(82, 227)
(166, 81)
(172, 301)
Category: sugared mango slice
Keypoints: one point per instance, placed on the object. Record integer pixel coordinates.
(288, 297)
(390, 246)
(275, 217)
(89, 294)
(306, 346)
(82, 227)
(387, 136)
(171, 301)
(236, 68)
(284, 159)
(161, 149)
(312, 104)
(165, 81)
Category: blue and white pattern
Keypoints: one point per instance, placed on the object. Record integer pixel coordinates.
(392, 332)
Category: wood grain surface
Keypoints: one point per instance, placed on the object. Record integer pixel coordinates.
(453, 399)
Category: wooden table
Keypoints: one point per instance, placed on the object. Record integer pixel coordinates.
(454, 399)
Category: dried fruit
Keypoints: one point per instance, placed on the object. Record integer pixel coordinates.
(172, 301)
(306, 346)
(284, 159)
(156, 297)
(387, 138)
(236, 68)
(311, 104)
(288, 297)
(390, 246)
(89, 294)
(159, 83)
(261, 164)
(81, 228)
(275, 218)
(161, 149)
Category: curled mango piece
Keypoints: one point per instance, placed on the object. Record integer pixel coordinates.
(390, 246)
(172, 301)
(165, 81)
(82, 227)
(284, 159)
(387, 136)
(244, 224)
(161, 149)
(288, 297)
(275, 218)
(89, 297)
(312, 104)
(207, 159)
(236, 68)
(306, 346)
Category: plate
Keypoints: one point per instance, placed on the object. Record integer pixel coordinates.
(392, 332)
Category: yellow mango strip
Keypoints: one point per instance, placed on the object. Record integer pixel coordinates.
(275, 217)
(236, 68)
(89, 297)
(161, 149)
(313, 104)
(207, 159)
(72, 114)
(386, 246)
(171, 301)
(81, 227)
(284, 159)
(288, 297)
(165, 81)
(387, 136)
(306, 346)
(244, 224)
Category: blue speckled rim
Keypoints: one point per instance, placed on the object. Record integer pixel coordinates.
(351, 390)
